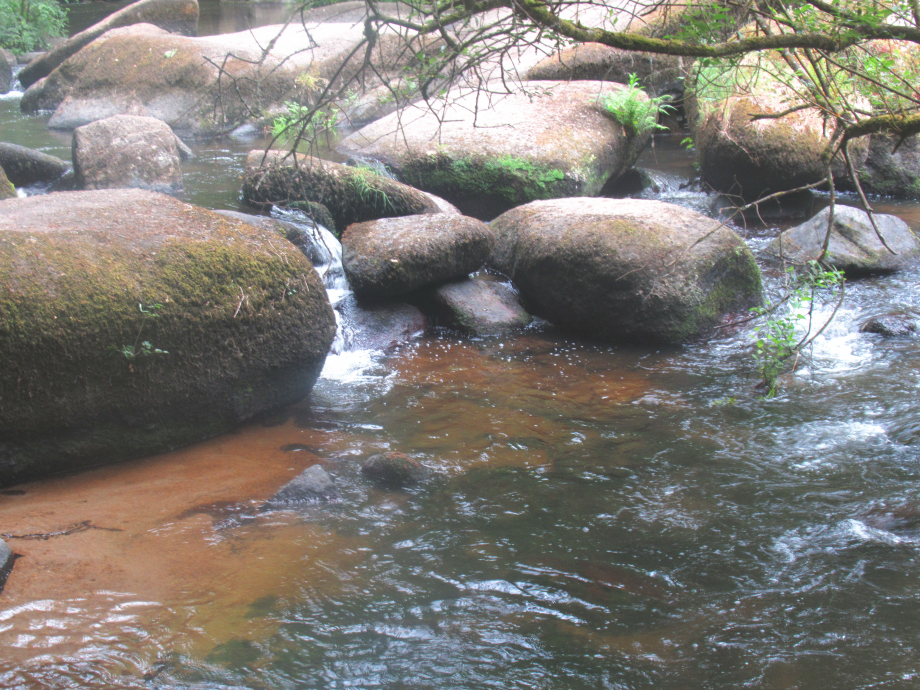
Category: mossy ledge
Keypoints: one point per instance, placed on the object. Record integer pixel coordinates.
(241, 313)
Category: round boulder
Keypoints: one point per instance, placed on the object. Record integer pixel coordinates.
(855, 247)
(126, 151)
(394, 256)
(625, 270)
(131, 323)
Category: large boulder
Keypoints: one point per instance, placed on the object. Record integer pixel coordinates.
(487, 153)
(394, 256)
(176, 16)
(131, 323)
(855, 247)
(208, 85)
(625, 270)
(892, 167)
(126, 151)
(25, 166)
(350, 194)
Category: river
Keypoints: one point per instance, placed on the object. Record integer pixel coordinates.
(598, 516)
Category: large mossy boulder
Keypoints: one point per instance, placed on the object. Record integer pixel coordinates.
(854, 246)
(127, 151)
(625, 270)
(131, 323)
(175, 16)
(350, 194)
(487, 153)
(391, 257)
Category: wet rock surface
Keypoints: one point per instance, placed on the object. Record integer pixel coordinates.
(313, 485)
(854, 246)
(25, 166)
(126, 151)
(391, 257)
(478, 306)
(394, 470)
(890, 325)
(625, 270)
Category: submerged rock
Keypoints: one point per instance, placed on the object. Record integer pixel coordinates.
(131, 323)
(625, 270)
(313, 485)
(175, 16)
(349, 194)
(890, 325)
(394, 256)
(487, 157)
(480, 307)
(24, 166)
(127, 151)
(393, 470)
(855, 247)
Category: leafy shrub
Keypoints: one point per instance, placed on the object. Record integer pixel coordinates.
(29, 24)
(634, 110)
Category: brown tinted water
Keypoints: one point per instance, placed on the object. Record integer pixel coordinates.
(597, 517)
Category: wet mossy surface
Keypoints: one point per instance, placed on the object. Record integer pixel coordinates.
(240, 316)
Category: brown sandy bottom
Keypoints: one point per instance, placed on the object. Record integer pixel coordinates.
(123, 566)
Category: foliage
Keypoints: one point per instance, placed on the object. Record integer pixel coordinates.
(788, 325)
(27, 25)
(142, 348)
(634, 110)
(303, 122)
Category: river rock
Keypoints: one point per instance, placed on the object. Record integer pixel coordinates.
(625, 270)
(854, 247)
(597, 62)
(378, 327)
(393, 256)
(487, 155)
(890, 325)
(479, 306)
(127, 151)
(350, 194)
(7, 190)
(26, 166)
(7, 60)
(175, 16)
(6, 563)
(313, 485)
(890, 172)
(131, 323)
(393, 470)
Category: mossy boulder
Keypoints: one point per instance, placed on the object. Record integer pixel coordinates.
(127, 151)
(175, 16)
(854, 247)
(349, 194)
(131, 323)
(25, 166)
(625, 270)
(393, 256)
(488, 154)
(751, 137)
(7, 190)
(892, 167)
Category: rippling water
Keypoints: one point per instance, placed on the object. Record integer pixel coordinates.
(597, 517)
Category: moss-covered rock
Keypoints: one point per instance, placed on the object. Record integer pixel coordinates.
(487, 155)
(175, 16)
(892, 168)
(131, 323)
(625, 270)
(349, 194)
(394, 256)
(7, 190)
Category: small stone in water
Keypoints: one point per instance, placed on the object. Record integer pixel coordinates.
(393, 470)
(313, 485)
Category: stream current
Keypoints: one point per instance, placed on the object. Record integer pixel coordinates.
(598, 516)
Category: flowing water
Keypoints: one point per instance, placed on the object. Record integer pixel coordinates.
(597, 517)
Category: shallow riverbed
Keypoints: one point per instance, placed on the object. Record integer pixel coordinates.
(598, 517)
